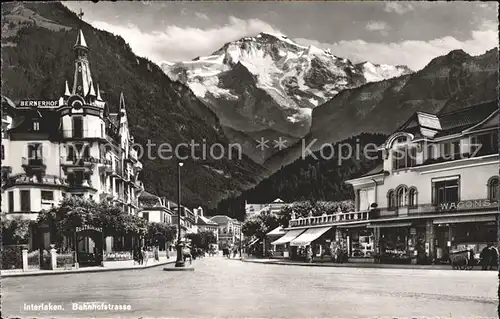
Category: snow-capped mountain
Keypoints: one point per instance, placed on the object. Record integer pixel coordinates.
(268, 85)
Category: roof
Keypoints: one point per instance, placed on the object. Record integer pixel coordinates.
(377, 170)
(457, 121)
(202, 220)
(147, 195)
(223, 219)
(278, 200)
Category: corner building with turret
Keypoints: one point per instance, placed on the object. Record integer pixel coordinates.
(70, 147)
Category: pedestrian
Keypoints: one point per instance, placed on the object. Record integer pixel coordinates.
(485, 258)
(157, 253)
(493, 252)
(309, 254)
(145, 255)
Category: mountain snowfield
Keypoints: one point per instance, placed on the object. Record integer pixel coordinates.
(269, 82)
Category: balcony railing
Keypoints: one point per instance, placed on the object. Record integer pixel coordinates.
(79, 160)
(330, 219)
(34, 163)
(83, 134)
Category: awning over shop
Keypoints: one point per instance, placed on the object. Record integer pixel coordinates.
(253, 242)
(288, 237)
(309, 236)
(464, 219)
(278, 231)
(389, 225)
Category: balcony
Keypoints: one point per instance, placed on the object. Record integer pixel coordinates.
(78, 161)
(34, 164)
(330, 219)
(82, 134)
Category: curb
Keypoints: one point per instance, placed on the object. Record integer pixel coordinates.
(346, 265)
(81, 270)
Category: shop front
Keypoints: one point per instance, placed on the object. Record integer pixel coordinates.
(286, 239)
(318, 238)
(357, 243)
(464, 233)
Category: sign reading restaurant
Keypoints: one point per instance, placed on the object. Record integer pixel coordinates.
(468, 204)
(39, 104)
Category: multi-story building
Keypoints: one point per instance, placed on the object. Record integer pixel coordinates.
(436, 192)
(73, 146)
(255, 209)
(154, 208)
(229, 230)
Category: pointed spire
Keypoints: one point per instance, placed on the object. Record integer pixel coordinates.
(98, 93)
(66, 90)
(80, 40)
(91, 91)
(122, 101)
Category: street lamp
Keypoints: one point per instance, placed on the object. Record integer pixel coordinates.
(180, 260)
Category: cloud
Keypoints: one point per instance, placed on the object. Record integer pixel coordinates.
(414, 54)
(379, 26)
(184, 43)
(399, 8)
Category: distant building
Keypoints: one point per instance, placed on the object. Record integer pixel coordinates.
(229, 230)
(154, 208)
(255, 209)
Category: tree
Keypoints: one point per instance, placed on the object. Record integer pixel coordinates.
(15, 230)
(160, 232)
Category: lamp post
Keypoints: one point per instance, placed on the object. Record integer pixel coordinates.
(180, 260)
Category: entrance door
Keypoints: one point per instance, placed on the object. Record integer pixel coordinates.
(442, 249)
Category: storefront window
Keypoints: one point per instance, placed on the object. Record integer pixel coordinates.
(361, 243)
(394, 244)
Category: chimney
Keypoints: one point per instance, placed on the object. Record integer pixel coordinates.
(168, 204)
(200, 211)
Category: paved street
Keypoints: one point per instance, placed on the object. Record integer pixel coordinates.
(230, 288)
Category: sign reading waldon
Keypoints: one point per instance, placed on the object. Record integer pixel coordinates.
(468, 204)
(39, 104)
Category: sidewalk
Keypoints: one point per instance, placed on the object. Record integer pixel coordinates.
(348, 265)
(62, 271)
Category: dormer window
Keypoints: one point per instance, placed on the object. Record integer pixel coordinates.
(403, 157)
(36, 125)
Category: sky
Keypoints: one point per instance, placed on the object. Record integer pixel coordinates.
(396, 33)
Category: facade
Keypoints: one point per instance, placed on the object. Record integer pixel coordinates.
(229, 230)
(255, 209)
(435, 193)
(70, 147)
(154, 208)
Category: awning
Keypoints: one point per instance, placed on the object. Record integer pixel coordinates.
(278, 231)
(288, 237)
(309, 236)
(464, 219)
(389, 225)
(253, 242)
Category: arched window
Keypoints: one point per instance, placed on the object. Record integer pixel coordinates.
(391, 199)
(402, 196)
(494, 188)
(412, 197)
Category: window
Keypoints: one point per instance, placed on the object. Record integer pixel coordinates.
(450, 150)
(404, 157)
(91, 197)
(412, 197)
(77, 127)
(36, 125)
(25, 201)
(47, 195)
(401, 196)
(484, 144)
(11, 201)
(391, 199)
(78, 177)
(494, 189)
(446, 191)
(3, 152)
(35, 151)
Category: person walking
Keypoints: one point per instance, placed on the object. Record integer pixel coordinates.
(485, 258)
(145, 255)
(493, 252)
(309, 254)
